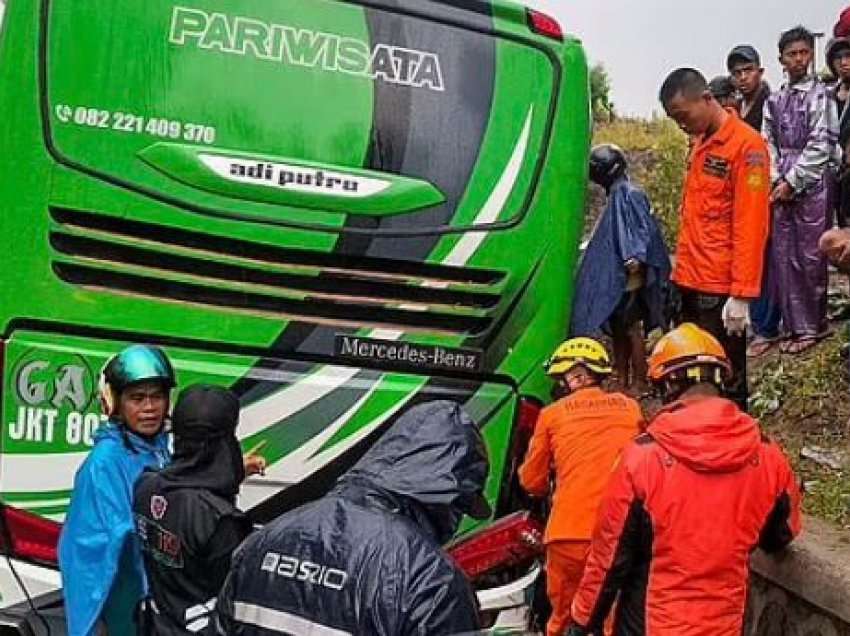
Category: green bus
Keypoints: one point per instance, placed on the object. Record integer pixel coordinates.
(336, 208)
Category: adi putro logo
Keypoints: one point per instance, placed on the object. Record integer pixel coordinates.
(286, 44)
(286, 176)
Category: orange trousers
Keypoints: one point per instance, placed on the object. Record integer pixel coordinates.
(565, 562)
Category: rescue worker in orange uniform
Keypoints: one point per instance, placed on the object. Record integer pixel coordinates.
(724, 220)
(689, 501)
(580, 436)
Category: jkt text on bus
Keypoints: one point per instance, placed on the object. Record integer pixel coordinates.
(330, 52)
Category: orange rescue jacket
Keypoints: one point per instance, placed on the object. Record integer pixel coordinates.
(689, 502)
(725, 213)
(579, 438)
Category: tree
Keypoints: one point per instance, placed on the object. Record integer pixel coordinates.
(600, 94)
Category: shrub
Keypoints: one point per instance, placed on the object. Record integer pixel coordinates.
(657, 152)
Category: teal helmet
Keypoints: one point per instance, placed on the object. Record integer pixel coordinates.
(135, 364)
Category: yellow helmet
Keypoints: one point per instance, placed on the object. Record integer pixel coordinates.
(576, 351)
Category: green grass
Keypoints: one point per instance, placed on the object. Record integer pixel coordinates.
(804, 402)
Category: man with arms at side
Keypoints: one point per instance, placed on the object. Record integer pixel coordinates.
(724, 224)
(838, 60)
(744, 65)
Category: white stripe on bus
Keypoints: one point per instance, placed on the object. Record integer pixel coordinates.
(492, 209)
(291, 468)
(38, 472)
(276, 407)
(254, 491)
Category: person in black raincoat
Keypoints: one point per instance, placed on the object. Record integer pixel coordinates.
(186, 514)
(838, 60)
(366, 559)
(623, 284)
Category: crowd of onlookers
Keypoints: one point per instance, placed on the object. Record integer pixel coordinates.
(807, 132)
(767, 181)
(666, 538)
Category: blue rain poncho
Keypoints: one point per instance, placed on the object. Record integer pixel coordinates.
(99, 553)
(626, 230)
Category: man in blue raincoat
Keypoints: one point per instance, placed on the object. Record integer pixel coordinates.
(99, 554)
(624, 280)
(103, 576)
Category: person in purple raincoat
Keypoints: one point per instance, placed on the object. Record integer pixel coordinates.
(801, 128)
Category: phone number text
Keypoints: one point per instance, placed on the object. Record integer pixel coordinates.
(132, 123)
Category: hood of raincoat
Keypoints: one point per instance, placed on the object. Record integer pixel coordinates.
(835, 45)
(626, 230)
(709, 435)
(207, 454)
(431, 465)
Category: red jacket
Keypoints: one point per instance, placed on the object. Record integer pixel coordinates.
(687, 505)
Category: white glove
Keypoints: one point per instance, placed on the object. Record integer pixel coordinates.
(736, 316)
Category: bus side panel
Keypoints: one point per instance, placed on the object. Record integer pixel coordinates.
(317, 422)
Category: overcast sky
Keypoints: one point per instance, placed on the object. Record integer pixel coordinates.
(640, 41)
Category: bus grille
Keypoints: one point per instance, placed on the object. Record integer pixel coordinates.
(184, 266)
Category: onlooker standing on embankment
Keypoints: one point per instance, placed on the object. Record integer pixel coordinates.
(724, 225)
(801, 128)
(623, 284)
(725, 93)
(838, 60)
(744, 65)
(842, 27)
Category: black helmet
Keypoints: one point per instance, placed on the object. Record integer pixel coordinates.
(607, 164)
